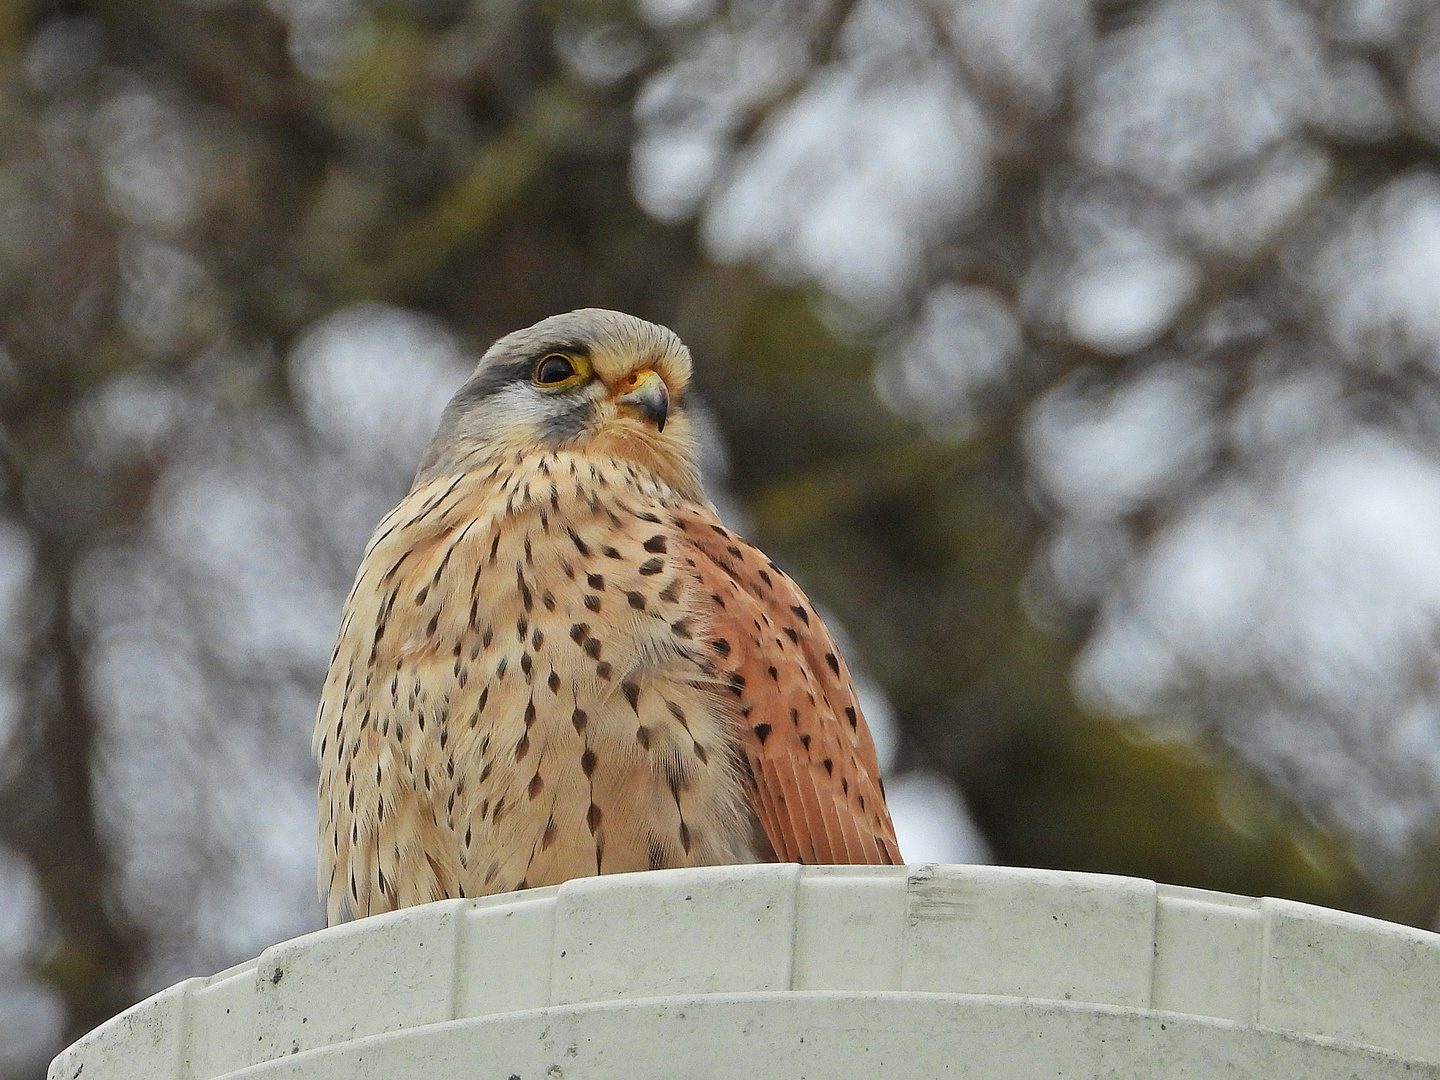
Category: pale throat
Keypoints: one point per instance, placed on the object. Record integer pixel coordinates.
(496, 474)
(669, 457)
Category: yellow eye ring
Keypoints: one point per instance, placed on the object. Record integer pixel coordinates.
(554, 369)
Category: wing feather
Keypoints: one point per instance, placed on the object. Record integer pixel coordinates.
(817, 781)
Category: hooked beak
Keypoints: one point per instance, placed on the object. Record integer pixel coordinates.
(648, 396)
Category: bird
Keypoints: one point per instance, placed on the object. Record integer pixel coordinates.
(557, 661)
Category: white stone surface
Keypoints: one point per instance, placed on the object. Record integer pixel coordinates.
(980, 972)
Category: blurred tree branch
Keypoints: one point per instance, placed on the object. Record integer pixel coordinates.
(46, 807)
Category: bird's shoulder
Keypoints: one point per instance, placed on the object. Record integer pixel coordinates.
(817, 780)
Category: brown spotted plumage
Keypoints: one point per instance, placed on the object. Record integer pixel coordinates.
(556, 661)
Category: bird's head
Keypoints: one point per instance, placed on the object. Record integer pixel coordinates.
(591, 380)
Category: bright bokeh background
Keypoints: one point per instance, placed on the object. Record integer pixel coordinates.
(1080, 357)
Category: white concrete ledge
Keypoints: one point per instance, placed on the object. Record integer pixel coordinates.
(817, 972)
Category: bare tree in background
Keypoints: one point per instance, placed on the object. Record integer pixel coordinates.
(1082, 358)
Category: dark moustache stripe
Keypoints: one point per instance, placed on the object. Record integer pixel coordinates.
(563, 427)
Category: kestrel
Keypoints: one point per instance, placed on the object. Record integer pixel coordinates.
(556, 661)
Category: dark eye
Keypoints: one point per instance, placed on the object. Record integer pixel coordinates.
(554, 369)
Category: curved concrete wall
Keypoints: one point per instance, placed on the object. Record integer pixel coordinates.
(816, 972)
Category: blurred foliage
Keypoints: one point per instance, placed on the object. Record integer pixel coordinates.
(921, 549)
(190, 188)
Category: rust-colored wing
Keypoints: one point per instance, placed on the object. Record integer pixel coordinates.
(817, 789)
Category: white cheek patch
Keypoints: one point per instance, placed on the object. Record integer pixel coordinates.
(522, 414)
